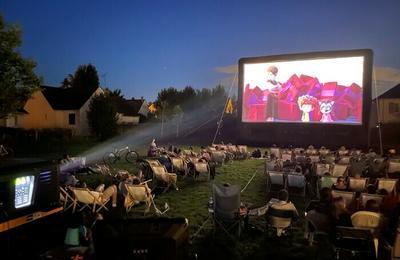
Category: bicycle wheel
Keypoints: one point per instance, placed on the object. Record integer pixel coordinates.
(110, 158)
(131, 156)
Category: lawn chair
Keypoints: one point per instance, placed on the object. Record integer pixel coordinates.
(66, 199)
(326, 182)
(354, 241)
(179, 165)
(314, 158)
(357, 184)
(139, 193)
(339, 170)
(275, 181)
(218, 157)
(86, 198)
(388, 184)
(348, 197)
(286, 156)
(279, 220)
(344, 160)
(364, 197)
(321, 168)
(163, 177)
(393, 169)
(296, 181)
(202, 171)
(276, 151)
(226, 208)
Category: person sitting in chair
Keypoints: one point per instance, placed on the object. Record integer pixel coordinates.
(283, 203)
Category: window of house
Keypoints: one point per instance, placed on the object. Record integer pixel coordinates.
(71, 118)
(394, 108)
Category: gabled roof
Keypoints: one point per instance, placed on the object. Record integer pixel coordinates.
(129, 107)
(65, 98)
(391, 93)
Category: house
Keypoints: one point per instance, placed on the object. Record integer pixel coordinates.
(389, 105)
(11, 120)
(129, 111)
(54, 107)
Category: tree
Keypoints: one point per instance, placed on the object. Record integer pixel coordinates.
(102, 116)
(17, 77)
(68, 81)
(86, 78)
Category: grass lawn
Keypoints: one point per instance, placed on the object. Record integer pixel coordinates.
(191, 200)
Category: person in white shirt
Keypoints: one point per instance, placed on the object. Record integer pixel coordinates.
(283, 203)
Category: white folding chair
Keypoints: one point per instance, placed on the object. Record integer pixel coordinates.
(276, 151)
(202, 171)
(357, 184)
(321, 168)
(297, 181)
(339, 170)
(388, 184)
(66, 199)
(276, 179)
(364, 197)
(348, 196)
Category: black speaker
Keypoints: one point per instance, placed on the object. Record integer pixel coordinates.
(146, 238)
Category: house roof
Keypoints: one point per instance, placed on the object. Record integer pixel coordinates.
(129, 107)
(65, 98)
(391, 93)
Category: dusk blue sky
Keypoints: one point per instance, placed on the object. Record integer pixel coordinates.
(144, 46)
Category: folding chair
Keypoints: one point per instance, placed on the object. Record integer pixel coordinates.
(202, 171)
(286, 157)
(218, 157)
(276, 151)
(226, 208)
(354, 241)
(179, 165)
(296, 181)
(343, 152)
(339, 170)
(275, 179)
(87, 199)
(348, 196)
(323, 151)
(364, 197)
(314, 158)
(66, 199)
(298, 150)
(388, 184)
(329, 159)
(326, 182)
(393, 169)
(321, 168)
(368, 220)
(161, 175)
(357, 184)
(139, 193)
(344, 160)
(279, 219)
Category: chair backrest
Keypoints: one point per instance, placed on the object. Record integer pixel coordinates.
(314, 158)
(178, 163)
(138, 192)
(343, 152)
(276, 178)
(311, 151)
(387, 184)
(321, 168)
(344, 160)
(160, 172)
(330, 158)
(84, 195)
(324, 151)
(296, 181)
(357, 184)
(364, 197)
(232, 148)
(339, 170)
(393, 166)
(279, 218)
(366, 219)
(153, 163)
(353, 233)
(201, 167)
(348, 196)
(242, 148)
(226, 201)
(286, 156)
(218, 156)
(276, 151)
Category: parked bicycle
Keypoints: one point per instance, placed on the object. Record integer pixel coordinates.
(125, 152)
(6, 151)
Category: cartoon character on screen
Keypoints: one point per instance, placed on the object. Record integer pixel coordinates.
(271, 95)
(326, 107)
(307, 104)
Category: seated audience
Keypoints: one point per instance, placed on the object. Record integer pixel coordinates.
(76, 234)
(326, 182)
(340, 184)
(256, 153)
(152, 149)
(283, 203)
(340, 214)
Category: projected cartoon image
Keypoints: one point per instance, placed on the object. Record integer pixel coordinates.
(315, 91)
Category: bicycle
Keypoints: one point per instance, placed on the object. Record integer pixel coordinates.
(6, 151)
(112, 157)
